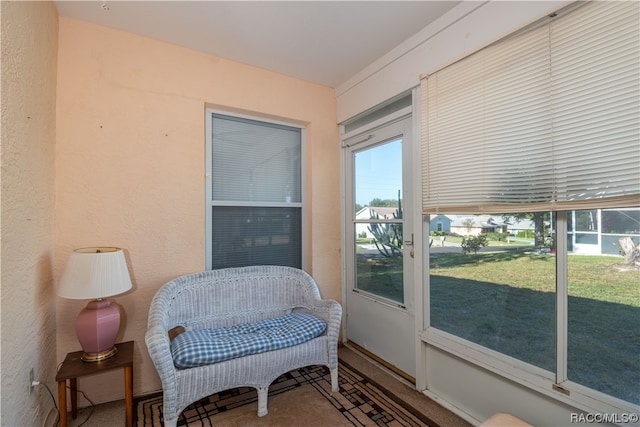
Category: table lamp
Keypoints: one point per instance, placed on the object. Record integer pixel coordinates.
(95, 274)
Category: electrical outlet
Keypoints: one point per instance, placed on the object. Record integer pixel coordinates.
(31, 379)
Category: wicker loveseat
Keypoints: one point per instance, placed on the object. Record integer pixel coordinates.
(237, 296)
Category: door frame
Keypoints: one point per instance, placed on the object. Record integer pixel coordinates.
(411, 183)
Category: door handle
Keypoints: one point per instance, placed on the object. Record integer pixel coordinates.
(410, 243)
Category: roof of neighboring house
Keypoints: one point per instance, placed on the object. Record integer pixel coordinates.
(383, 212)
(439, 216)
(491, 221)
(478, 221)
(523, 224)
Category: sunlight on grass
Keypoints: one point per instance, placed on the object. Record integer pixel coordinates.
(602, 278)
(381, 276)
(505, 301)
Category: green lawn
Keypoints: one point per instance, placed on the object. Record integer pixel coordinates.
(513, 241)
(381, 276)
(506, 301)
(596, 277)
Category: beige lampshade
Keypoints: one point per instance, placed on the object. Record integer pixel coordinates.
(94, 273)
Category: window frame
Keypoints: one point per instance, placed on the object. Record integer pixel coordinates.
(552, 384)
(210, 203)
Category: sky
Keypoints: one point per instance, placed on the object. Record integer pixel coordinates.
(378, 172)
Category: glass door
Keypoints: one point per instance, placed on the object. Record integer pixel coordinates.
(379, 302)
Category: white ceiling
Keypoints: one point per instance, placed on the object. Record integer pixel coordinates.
(324, 42)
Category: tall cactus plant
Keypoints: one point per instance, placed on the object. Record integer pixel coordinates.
(388, 236)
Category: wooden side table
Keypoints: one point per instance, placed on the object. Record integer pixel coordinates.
(73, 368)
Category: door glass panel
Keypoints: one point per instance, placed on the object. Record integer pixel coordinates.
(378, 221)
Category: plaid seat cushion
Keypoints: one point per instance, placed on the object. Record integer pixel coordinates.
(205, 346)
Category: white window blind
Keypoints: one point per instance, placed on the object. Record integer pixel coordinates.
(545, 119)
(254, 161)
(254, 195)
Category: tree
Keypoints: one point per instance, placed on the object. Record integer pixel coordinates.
(473, 243)
(468, 223)
(538, 219)
(631, 251)
(384, 203)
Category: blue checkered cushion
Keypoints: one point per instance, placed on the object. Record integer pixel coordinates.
(205, 346)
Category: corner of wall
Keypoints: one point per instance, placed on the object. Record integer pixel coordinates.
(29, 62)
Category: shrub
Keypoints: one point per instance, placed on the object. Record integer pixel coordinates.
(473, 243)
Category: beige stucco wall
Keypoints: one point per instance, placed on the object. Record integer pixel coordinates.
(29, 38)
(130, 166)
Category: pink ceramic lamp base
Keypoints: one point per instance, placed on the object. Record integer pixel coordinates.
(97, 326)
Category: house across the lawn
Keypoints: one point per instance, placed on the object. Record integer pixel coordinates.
(373, 212)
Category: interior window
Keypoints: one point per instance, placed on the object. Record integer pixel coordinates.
(254, 194)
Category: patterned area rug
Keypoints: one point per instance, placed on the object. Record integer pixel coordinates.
(360, 402)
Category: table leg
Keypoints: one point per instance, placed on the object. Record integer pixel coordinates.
(74, 397)
(128, 392)
(62, 402)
